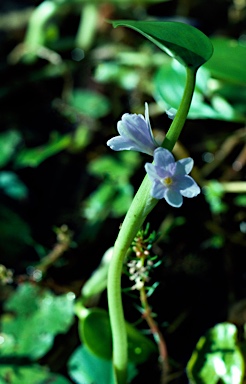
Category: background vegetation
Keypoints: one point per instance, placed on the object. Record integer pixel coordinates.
(66, 79)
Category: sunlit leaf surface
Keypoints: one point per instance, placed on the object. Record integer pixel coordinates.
(169, 82)
(217, 357)
(233, 54)
(185, 43)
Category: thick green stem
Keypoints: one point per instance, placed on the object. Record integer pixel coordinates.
(141, 206)
(181, 115)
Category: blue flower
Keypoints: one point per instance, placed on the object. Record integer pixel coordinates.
(135, 134)
(170, 179)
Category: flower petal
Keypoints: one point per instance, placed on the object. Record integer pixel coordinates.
(151, 171)
(184, 166)
(146, 114)
(183, 182)
(193, 189)
(119, 143)
(135, 134)
(170, 179)
(148, 122)
(136, 128)
(163, 158)
(158, 190)
(173, 198)
(130, 124)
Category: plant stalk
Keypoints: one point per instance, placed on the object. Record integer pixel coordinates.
(141, 206)
(178, 123)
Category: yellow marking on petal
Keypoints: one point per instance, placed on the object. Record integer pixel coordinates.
(167, 181)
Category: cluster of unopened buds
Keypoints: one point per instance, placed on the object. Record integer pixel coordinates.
(139, 268)
(170, 179)
(139, 273)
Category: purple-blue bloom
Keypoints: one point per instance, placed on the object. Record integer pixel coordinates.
(170, 178)
(135, 134)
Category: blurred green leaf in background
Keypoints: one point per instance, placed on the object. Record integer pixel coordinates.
(33, 317)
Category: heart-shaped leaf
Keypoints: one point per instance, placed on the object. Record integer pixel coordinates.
(233, 54)
(185, 43)
(95, 333)
(169, 82)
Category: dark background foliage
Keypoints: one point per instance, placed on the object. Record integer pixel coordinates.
(203, 270)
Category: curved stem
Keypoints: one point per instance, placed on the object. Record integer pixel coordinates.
(181, 115)
(141, 206)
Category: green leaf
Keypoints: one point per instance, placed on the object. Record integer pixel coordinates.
(95, 333)
(32, 157)
(36, 316)
(15, 234)
(97, 282)
(217, 358)
(139, 346)
(80, 139)
(114, 194)
(135, 2)
(235, 94)
(111, 72)
(185, 43)
(233, 54)
(109, 166)
(108, 199)
(123, 200)
(119, 169)
(169, 82)
(12, 185)
(33, 374)
(89, 103)
(240, 200)
(84, 367)
(98, 205)
(8, 142)
(214, 192)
